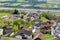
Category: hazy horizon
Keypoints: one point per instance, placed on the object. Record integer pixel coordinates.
(32, 4)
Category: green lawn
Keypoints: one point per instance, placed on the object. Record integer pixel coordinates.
(8, 38)
(44, 19)
(47, 36)
(4, 14)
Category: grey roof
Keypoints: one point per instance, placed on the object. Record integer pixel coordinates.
(32, 14)
(38, 23)
(26, 32)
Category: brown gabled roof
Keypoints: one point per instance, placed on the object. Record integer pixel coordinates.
(48, 25)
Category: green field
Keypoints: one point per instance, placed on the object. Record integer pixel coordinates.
(56, 13)
(47, 36)
(5, 14)
(9, 38)
(21, 0)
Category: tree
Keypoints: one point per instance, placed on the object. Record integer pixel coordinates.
(49, 16)
(15, 12)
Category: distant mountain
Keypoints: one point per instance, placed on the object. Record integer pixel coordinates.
(30, 3)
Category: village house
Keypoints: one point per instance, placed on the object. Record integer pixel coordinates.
(31, 16)
(7, 30)
(24, 34)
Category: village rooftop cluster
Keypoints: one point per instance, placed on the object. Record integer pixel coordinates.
(29, 26)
